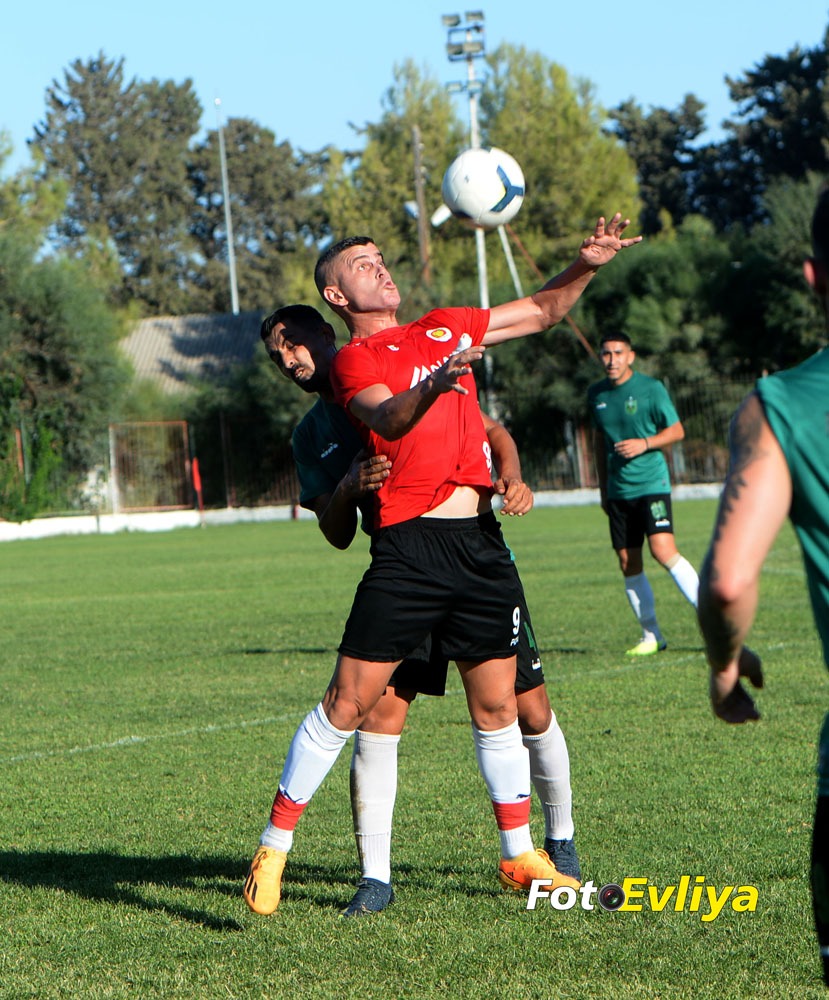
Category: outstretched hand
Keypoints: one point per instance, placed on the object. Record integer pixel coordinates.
(606, 241)
(445, 378)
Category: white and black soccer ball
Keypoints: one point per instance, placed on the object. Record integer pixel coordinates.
(484, 187)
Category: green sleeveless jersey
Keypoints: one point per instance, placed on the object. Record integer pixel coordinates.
(638, 408)
(796, 404)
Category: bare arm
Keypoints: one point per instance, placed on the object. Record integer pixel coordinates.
(754, 505)
(337, 512)
(518, 497)
(551, 303)
(631, 447)
(392, 416)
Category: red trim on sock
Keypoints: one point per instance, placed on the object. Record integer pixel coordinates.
(510, 815)
(285, 812)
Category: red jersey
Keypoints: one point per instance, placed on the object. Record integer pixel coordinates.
(448, 447)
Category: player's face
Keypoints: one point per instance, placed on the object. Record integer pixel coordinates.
(361, 277)
(302, 356)
(617, 357)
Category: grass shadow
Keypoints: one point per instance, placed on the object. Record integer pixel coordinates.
(103, 876)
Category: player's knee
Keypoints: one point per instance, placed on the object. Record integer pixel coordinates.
(534, 712)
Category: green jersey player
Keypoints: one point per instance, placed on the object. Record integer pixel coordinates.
(634, 419)
(779, 469)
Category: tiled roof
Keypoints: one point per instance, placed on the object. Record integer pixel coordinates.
(178, 352)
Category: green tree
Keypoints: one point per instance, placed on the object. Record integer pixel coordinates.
(121, 149)
(660, 144)
(779, 131)
(772, 320)
(277, 216)
(61, 373)
(574, 170)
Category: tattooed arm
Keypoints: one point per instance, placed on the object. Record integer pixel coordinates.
(754, 504)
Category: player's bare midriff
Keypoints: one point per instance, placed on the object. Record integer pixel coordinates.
(465, 501)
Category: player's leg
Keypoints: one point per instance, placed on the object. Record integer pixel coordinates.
(373, 781)
(547, 747)
(374, 773)
(354, 689)
(627, 534)
(550, 775)
(504, 765)
(662, 543)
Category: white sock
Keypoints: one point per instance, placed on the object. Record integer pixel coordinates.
(505, 767)
(311, 755)
(373, 790)
(640, 596)
(550, 773)
(685, 577)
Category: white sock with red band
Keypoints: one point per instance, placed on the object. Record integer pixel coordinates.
(311, 755)
(505, 767)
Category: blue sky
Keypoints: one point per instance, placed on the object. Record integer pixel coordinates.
(306, 68)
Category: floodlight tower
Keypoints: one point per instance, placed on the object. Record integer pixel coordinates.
(231, 252)
(466, 42)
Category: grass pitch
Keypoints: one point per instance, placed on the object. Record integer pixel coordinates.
(150, 687)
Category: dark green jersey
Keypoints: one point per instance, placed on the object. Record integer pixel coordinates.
(638, 408)
(324, 443)
(796, 404)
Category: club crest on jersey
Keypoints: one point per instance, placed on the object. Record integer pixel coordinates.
(441, 334)
(631, 406)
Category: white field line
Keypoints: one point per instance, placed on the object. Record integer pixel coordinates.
(128, 741)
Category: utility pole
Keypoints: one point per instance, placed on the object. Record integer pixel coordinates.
(231, 251)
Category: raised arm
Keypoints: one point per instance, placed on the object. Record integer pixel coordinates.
(551, 303)
(392, 416)
(754, 504)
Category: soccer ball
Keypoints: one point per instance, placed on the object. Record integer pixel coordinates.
(484, 187)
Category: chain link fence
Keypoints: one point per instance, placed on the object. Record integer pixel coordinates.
(160, 466)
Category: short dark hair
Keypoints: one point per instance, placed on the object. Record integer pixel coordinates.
(623, 338)
(820, 226)
(305, 316)
(331, 254)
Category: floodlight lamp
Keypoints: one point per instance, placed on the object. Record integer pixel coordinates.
(475, 15)
(455, 50)
(454, 88)
(451, 20)
(473, 48)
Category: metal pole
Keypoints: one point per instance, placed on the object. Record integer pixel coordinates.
(231, 252)
(420, 199)
(519, 290)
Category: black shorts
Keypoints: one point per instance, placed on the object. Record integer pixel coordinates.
(632, 520)
(425, 670)
(452, 578)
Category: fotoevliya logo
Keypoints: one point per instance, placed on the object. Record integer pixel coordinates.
(692, 894)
